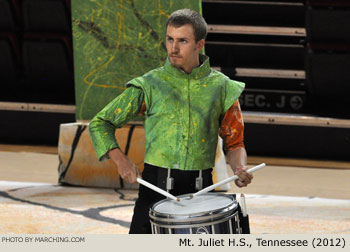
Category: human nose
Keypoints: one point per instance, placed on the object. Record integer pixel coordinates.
(175, 47)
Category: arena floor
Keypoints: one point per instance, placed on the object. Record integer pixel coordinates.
(283, 199)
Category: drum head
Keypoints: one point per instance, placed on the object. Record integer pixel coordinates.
(205, 203)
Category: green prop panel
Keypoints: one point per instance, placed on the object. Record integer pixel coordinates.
(115, 41)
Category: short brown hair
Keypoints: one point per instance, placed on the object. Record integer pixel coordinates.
(187, 16)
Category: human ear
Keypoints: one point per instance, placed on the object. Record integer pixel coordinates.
(200, 44)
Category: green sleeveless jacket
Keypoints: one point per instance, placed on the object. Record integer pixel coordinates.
(183, 114)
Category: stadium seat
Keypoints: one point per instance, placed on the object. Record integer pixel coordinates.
(8, 18)
(9, 65)
(46, 16)
(47, 62)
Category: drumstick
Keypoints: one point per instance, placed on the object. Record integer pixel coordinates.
(209, 188)
(157, 189)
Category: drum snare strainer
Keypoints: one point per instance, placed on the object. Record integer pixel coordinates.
(210, 213)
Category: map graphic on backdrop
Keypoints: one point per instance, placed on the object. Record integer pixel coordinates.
(115, 41)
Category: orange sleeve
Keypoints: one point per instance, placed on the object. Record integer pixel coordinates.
(142, 109)
(232, 128)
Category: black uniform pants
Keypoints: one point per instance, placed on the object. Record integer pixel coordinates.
(184, 182)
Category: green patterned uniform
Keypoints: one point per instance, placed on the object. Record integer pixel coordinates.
(182, 118)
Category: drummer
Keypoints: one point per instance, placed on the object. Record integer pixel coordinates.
(186, 105)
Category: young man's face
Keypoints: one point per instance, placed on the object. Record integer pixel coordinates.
(182, 47)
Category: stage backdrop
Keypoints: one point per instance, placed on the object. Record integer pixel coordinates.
(115, 41)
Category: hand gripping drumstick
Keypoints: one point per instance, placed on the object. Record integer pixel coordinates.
(209, 188)
(157, 189)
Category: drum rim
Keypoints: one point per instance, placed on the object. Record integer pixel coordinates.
(196, 225)
(195, 217)
(192, 218)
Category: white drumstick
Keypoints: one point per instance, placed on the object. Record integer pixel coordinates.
(212, 187)
(157, 189)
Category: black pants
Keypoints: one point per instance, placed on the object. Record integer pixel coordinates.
(184, 182)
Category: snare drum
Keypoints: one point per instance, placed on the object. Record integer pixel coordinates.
(209, 213)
